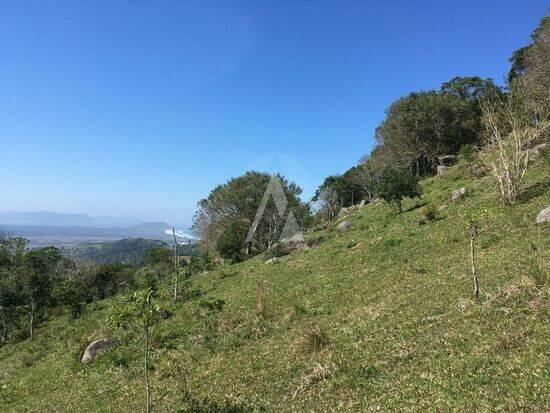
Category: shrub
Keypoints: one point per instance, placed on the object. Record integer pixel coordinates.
(467, 153)
(277, 250)
(396, 184)
(429, 212)
(230, 243)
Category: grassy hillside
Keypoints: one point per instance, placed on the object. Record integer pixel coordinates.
(377, 318)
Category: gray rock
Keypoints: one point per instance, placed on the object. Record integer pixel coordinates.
(362, 203)
(543, 216)
(458, 194)
(343, 226)
(96, 347)
(343, 211)
(446, 160)
(272, 260)
(441, 169)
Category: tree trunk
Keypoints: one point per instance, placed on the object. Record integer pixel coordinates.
(32, 319)
(146, 372)
(176, 265)
(473, 235)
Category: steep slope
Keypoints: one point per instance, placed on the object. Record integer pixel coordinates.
(378, 318)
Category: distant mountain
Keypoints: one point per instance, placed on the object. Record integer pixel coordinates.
(151, 226)
(45, 218)
(59, 219)
(52, 228)
(122, 222)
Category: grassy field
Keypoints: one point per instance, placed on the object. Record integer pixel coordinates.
(378, 318)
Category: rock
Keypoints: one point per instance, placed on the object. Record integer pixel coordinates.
(543, 216)
(343, 211)
(343, 226)
(441, 169)
(458, 194)
(96, 347)
(362, 203)
(446, 160)
(272, 260)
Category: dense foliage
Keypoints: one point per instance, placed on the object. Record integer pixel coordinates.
(239, 200)
(396, 184)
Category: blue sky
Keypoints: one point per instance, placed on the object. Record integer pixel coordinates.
(141, 107)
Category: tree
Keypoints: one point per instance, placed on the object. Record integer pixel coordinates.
(361, 179)
(328, 196)
(421, 126)
(36, 276)
(527, 58)
(470, 87)
(231, 242)
(158, 255)
(239, 200)
(139, 314)
(396, 184)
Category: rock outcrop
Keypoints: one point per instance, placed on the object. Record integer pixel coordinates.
(543, 216)
(343, 226)
(458, 194)
(96, 347)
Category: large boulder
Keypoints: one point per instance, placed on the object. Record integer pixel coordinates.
(343, 226)
(96, 347)
(543, 216)
(458, 194)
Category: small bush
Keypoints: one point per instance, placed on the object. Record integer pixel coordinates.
(467, 153)
(278, 250)
(392, 242)
(212, 305)
(429, 212)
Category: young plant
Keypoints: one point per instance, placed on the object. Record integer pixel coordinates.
(510, 129)
(139, 314)
(429, 212)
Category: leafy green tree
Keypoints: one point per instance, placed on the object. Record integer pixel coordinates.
(239, 200)
(421, 126)
(396, 184)
(470, 87)
(10, 299)
(159, 255)
(36, 280)
(231, 242)
(139, 313)
(71, 293)
(532, 55)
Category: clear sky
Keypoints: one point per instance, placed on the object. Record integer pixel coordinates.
(141, 107)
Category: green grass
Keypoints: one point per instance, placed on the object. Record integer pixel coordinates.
(379, 318)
